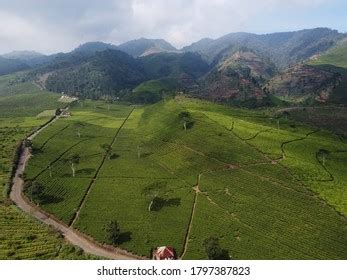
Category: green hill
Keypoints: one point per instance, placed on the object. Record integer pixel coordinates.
(191, 170)
(335, 60)
(143, 47)
(283, 48)
(115, 73)
(152, 91)
(93, 47)
(104, 73)
(175, 65)
(23, 237)
(8, 66)
(336, 57)
(238, 78)
(303, 83)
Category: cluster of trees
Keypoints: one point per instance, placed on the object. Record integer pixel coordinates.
(8, 66)
(35, 190)
(284, 48)
(105, 73)
(115, 73)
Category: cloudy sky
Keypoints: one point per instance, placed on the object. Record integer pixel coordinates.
(61, 25)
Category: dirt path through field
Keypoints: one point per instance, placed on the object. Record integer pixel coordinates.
(71, 235)
(92, 182)
(186, 239)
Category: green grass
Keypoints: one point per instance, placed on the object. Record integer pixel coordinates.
(263, 191)
(29, 104)
(23, 99)
(141, 229)
(335, 188)
(152, 91)
(84, 133)
(13, 84)
(256, 218)
(336, 56)
(22, 237)
(335, 60)
(156, 86)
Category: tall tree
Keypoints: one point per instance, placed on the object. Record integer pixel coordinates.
(323, 154)
(78, 127)
(186, 120)
(35, 189)
(112, 230)
(74, 159)
(153, 191)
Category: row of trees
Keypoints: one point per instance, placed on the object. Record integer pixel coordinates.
(212, 247)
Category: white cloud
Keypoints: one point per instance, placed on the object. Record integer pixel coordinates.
(12, 26)
(55, 25)
(18, 33)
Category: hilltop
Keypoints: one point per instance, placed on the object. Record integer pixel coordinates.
(283, 48)
(237, 78)
(143, 47)
(244, 69)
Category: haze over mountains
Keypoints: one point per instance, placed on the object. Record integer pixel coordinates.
(239, 68)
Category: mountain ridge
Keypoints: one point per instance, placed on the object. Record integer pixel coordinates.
(241, 68)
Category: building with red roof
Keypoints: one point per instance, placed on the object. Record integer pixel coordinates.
(164, 253)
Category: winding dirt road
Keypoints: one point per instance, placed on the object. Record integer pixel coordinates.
(73, 236)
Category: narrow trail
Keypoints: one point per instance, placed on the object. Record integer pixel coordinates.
(53, 136)
(58, 158)
(255, 135)
(331, 176)
(240, 138)
(186, 239)
(86, 243)
(295, 140)
(286, 169)
(93, 180)
(242, 167)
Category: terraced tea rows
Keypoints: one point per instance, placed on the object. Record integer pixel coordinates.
(255, 181)
(21, 237)
(82, 134)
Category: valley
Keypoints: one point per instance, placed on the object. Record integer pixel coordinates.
(22, 237)
(240, 140)
(150, 150)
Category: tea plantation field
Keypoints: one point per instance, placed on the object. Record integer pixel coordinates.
(22, 237)
(181, 171)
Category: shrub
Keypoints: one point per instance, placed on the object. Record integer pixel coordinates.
(214, 251)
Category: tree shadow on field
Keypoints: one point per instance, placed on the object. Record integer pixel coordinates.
(159, 203)
(214, 251)
(124, 237)
(46, 199)
(85, 171)
(80, 173)
(36, 151)
(147, 154)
